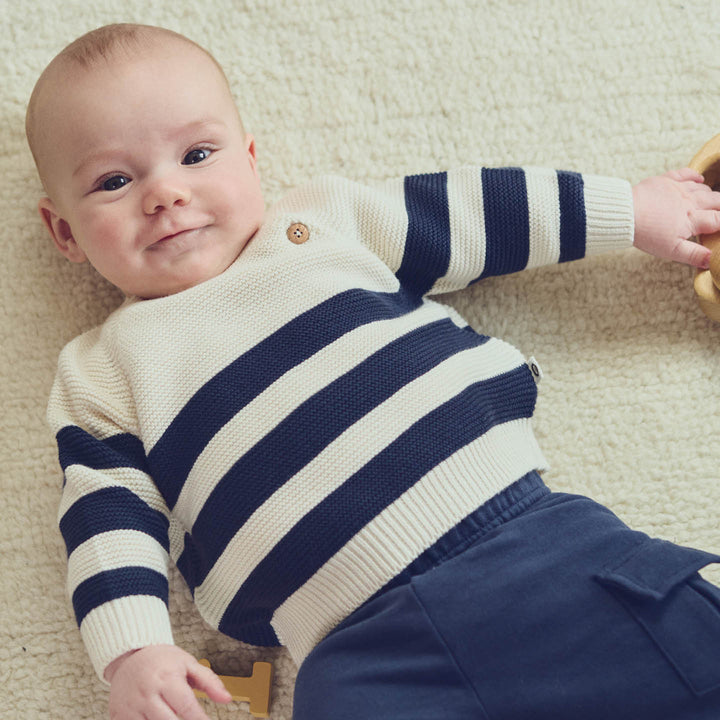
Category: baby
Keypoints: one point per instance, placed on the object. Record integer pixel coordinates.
(336, 462)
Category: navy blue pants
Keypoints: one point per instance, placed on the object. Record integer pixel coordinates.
(540, 606)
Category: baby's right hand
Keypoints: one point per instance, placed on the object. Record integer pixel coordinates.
(156, 683)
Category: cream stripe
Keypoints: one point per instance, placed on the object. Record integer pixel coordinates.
(112, 550)
(381, 220)
(467, 230)
(434, 505)
(372, 433)
(266, 410)
(544, 216)
(82, 481)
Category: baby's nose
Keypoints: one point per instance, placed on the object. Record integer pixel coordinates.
(164, 193)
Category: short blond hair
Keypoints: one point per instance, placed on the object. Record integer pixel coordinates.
(101, 44)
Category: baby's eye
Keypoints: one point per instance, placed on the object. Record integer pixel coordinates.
(114, 183)
(196, 156)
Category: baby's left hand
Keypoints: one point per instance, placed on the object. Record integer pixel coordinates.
(672, 208)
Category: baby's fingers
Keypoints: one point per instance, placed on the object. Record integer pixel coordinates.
(705, 222)
(685, 174)
(709, 200)
(691, 253)
(204, 679)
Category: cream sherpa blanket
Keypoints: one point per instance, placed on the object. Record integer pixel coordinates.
(629, 409)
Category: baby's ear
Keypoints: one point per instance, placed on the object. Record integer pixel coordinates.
(250, 149)
(60, 231)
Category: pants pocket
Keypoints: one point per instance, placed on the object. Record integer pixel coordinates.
(659, 585)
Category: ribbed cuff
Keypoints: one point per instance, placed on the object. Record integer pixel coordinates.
(610, 215)
(119, 626)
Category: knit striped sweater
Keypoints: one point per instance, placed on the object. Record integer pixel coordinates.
(297, 430)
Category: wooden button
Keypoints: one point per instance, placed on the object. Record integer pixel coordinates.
(298, 233)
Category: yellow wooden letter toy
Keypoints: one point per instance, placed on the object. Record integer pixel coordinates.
(707, 282)
(254, 689)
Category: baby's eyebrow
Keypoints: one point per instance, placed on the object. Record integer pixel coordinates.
(190, 131)
(110, 154)
(203, 125)
(102, 156)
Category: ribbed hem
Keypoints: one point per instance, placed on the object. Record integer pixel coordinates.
(119, 626)
(506, 505)
(609, 214)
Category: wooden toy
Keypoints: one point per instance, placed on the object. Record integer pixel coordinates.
(254, 689)
(707, 282)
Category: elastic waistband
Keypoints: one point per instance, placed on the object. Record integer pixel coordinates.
(509, 503)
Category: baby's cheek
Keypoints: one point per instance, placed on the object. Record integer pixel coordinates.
(226, 201)
(106, 242)
(113, 231)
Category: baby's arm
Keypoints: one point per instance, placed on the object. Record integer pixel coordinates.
(156, 682)
(670, 209)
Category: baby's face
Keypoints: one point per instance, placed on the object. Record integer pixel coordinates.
(151, 176)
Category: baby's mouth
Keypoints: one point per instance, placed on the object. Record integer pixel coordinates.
(175, 238)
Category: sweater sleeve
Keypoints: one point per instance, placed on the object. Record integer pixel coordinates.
(443, 231)
(483, 222)
(112, 518)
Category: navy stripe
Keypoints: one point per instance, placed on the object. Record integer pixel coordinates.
(78, 447)
(573, 221)
(114, 584)
(113, 508)
(305, 432)
(332, 523)
(244, 379)
(507, 221)
(427, 245)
